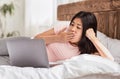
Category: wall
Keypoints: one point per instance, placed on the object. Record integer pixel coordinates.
(59, 2)
(16, 21)
(39, 15)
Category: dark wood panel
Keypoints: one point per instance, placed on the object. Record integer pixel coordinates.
(88, 5)
(112, 24)
(116, 3)
(102, 19)
(118, 21)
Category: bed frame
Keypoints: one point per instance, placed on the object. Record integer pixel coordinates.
(106, 11)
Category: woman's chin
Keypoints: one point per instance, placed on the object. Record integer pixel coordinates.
(72, 41)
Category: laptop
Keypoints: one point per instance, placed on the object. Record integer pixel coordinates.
(26, 52)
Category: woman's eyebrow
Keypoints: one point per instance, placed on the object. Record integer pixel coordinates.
(79, 24)
(72, 22)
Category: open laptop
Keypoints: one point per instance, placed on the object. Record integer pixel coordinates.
(26, 52)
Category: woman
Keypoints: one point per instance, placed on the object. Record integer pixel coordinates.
(80, 38)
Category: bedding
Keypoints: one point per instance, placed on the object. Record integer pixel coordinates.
(86, 65)
(4, 60)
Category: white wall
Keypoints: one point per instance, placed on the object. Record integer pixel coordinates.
(16, 21)
(39, 15)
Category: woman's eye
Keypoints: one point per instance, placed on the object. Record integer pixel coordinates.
(72, 24)
(78, 27)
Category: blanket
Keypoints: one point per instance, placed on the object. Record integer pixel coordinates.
(77, 66)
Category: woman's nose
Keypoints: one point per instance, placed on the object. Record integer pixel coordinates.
(73, 28)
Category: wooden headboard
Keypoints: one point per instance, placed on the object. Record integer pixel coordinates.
(107, 13)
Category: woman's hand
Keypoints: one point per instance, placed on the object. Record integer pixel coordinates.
(65, 36)
(90, 34)
(62, 37)
(103, 51)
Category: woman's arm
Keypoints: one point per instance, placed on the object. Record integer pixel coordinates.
(50, 36)
(48, 32)
(103, 51)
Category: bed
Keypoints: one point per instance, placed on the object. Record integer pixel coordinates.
(107, 13)
(83, 66)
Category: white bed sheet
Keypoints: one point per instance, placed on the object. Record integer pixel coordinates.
(76, 67)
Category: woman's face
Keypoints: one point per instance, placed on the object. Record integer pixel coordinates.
(75, 29)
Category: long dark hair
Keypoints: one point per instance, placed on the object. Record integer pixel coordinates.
(88, 21)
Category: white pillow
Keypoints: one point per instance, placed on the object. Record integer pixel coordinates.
(102, 38)
(114, 48)
(113, 45)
